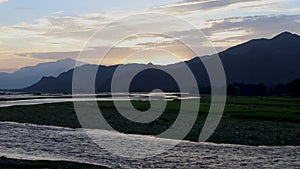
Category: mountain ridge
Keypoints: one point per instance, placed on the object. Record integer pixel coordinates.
(269, 61)
(31, 74)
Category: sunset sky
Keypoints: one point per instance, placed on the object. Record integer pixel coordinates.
(35, 31)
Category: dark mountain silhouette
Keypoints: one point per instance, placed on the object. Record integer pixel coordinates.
(29, 75)
(269, 61)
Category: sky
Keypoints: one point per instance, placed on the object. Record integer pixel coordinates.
(35, 31)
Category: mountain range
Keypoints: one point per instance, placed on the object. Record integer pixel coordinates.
(27, 76)
(269, 61)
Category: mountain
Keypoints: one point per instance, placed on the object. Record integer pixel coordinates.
(29, 75)
(269, 61)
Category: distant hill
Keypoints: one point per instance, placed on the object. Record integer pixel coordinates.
(269, 61)
(29, 75)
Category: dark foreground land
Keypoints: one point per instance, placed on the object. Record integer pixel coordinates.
(6, 163)
(272, 121)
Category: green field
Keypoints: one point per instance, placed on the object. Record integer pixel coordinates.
(246, 120)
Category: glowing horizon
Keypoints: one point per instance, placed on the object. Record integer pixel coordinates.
(37, 32)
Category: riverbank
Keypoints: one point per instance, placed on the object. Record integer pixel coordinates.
(8, 163)
(272, 121)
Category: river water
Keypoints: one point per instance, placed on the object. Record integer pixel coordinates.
(36, 142)
(28, 99)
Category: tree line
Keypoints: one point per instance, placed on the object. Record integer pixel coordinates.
(260, 89)
(242, 89)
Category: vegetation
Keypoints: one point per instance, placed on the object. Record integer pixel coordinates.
(261, 89)
(294, 88)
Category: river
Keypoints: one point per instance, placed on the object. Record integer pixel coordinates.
(37, 142)
(27, 99)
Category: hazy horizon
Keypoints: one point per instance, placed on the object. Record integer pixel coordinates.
(146, 61)
(36, 32)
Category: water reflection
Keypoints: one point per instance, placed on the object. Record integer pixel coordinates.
(29, 99)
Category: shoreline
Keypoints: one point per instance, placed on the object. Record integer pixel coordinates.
(244, 121)
(21, 163)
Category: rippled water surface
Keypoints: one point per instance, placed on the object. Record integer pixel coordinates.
(27, 99)
(55, 143)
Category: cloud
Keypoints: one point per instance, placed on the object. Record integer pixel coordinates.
(57, 37)
(232, 31)
(190, 6)
(115, 55)
(57, 12)
(2, 1)
(51, 55)
(228, 32)
(23, 8)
